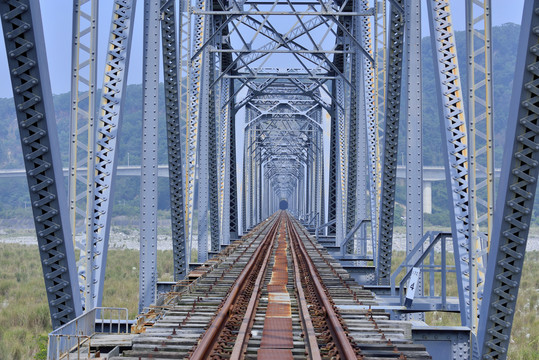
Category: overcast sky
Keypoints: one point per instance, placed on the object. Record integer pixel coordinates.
(57, 26)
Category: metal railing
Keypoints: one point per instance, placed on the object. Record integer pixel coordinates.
(431, 239)
(322, 227)
(76, 335)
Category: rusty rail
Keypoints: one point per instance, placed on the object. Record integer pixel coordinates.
(346, 350)
(207, 343)
(245, 328)
(308, 328)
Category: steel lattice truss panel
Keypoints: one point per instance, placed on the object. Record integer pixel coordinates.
(285, 142)
(284, 59)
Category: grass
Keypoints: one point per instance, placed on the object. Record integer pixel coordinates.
(25, 317)
(525, 332)
(24, 312)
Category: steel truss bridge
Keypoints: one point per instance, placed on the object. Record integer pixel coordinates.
(278, 72)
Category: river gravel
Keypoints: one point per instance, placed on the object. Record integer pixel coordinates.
(121, 240)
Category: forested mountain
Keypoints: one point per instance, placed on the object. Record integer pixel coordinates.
(13, 193)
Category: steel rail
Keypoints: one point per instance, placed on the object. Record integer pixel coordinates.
(306, 321)
(206, 344)
(176, 294)
(249, 316)
(344, 347)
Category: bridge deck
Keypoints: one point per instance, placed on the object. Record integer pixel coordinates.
(275, 294)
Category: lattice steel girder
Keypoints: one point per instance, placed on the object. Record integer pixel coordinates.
(369, 110)
(380, 82)
(269, 13)
(353, 145)
(332, 192)
(148, 180)
(453, 126)
(281, 141)
(516, 194)
(82, 146)
(226, 118)
(481, 156)
(184, 39)
(114, 85)
(213, 160)
(196, 116)
(169, 43)
(234, 218)
(391, 135)
(27, 61)
(342, 159)
(267, 29)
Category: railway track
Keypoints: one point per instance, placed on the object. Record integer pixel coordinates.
(277, 294)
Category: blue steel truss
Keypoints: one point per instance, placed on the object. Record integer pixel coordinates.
(215, 62)
(391, 139)
(25, 47)
(516, 194)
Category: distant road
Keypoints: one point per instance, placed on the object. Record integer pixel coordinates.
(123, 170)
(430, 173)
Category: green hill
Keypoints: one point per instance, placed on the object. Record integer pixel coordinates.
(14, 193)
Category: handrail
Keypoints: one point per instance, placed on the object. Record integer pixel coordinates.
(79, 331)
(351, 233)
(433, 237)
(329, 223)
(315, 216)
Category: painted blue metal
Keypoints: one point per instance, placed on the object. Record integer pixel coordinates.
(169, 42)
(444, 342)
(114, 85)
(148, 180)
(283, 159)
(391, 137)
(27, 60)
(453, 128)
(516, 194)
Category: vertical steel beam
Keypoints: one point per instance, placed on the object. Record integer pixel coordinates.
(169, 42)
(380, 82)
(332, 190)
(370, 114)
(366, 156)
(321, 173)
(480, 157)
(114, 85)
(203, 160)
(361, 198)
(246, 173)
(148, 179)
(82, 145)
(212, 156)
(233, 185)
(184, 39)
(352, 154)
(224, 161)
(453, 126)
(414, 149)
(259, 190)
(251, 186)
(27, 61)
(391, 136)
(517, 189)
(342, 159)
(196, 117)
